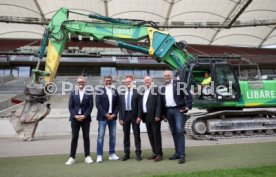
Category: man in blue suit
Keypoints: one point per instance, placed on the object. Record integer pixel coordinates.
(176, 102)
(80, 108)
(107, 102)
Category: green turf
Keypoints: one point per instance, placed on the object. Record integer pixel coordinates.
(198, 159)
(244, 172)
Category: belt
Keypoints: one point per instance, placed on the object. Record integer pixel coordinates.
(172, 107)
(127, 110)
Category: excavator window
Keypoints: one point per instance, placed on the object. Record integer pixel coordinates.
(226, 83)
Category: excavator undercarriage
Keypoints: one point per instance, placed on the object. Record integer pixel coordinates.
(232, 124)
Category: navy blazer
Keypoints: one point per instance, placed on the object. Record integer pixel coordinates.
(153, 105)
(102, 103)
(135, 106)
(180, 99)
(86, 105)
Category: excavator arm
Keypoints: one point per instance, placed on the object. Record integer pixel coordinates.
(122, 33)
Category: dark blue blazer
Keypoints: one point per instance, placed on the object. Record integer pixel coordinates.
(181, 99)
(86, 105)
(135, 105)
(102, 103)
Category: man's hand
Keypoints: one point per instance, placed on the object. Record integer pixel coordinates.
(157, 119)
(184, 110)
(165, 119)
(121, 122)
(113, 116)
(80, 117)
(138, 120)
(108, 116)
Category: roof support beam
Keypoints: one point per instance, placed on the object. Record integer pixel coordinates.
(236, 16)
(266, 37)
(224, 22)
(169, 12)
(106, 7)
(40, 10)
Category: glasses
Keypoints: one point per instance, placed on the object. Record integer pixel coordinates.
(81, 82)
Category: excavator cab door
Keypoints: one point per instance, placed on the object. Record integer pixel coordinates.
(226, 83)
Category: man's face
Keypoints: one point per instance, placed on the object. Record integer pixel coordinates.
(81, 83)
(107, 82)
(128, 82)
(206, 75)
(167, 77)
(147, 81)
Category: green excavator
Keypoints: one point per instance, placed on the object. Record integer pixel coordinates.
(235, 108)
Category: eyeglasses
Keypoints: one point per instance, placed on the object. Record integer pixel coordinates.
(81, 82)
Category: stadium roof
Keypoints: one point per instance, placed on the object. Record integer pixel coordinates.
(249, 23)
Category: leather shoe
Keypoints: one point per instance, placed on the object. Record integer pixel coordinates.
(158, 158)
(174, 157)
(138, 157)
(126, 157)
(152, 157)
(181, 160)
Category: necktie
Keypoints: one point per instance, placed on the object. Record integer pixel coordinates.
(128, 100)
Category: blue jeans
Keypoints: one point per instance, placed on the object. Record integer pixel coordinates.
(176, 121)
(112, 136)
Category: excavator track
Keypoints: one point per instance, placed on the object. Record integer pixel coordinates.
(230, 124)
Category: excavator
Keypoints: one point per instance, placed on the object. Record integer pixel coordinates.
(235, 108)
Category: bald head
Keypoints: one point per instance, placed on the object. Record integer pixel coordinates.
(81, 81)
(167, 76)
(147, 81)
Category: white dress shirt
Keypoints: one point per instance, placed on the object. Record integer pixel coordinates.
(109, 94)
(145, 99)
(131, 93)
(81, 93)
(169, 95)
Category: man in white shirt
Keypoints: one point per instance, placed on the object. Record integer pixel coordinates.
(176, 103)
(107, 101)
(151, 115)
(80, 108)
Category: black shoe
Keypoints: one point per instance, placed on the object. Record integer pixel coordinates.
(174, 157)
(181, 160)
(126, 157)
(138, 157)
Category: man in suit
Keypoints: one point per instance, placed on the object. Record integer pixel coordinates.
(176, 102)
(80, 108)
(128, 115)
(150, 113)
(107, 100)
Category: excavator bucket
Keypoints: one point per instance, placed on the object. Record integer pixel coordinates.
(24, 114)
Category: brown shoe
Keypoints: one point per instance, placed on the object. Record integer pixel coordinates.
(152, 157)
(158, 158)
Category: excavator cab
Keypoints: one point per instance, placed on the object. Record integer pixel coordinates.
(212, 83)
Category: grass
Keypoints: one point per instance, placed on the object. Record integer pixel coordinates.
(269, 171)
(198, 159)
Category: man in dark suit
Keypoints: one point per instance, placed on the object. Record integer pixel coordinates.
(176, 102)
(128, 115)
(107, 100)
(150, 113)
(80, 108)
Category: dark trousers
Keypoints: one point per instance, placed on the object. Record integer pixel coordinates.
(85, 126)
(154, 134)
(176, 121)
(136, 131)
